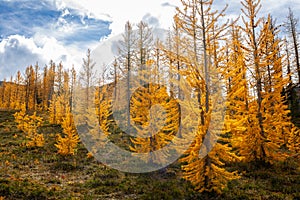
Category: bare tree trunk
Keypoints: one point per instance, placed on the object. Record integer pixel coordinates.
(288, 62)
(291, 26)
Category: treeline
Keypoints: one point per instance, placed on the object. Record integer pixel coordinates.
(248, 59)
(36, 88)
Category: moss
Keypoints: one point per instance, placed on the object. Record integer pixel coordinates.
(23, 189)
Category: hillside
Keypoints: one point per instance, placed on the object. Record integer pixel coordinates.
(41, 173)
(209, 111)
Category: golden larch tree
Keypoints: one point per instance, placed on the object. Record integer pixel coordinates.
(154, 116)
(267, 111)
(67, 145)
(204, 161)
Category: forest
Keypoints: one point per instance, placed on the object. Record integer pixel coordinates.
(211, 112)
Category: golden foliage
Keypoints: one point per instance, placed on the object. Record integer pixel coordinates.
(58, 108)
(157, 127)
(29, 124)
(204, 162)
(259, 122)
(294, 142)
(250, 66)
(67, 145)
(36, 141)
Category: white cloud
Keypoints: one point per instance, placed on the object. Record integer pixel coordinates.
(135, 10)
(18, 52)
(15, 51)
(119, 12)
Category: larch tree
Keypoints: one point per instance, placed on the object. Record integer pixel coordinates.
(53, 110)
(59, 75)
(2, 94)
(269, 114)
(48, 84)
(61, 99)
(72, 86)
(29, 83)
(251, 9)
(29, 124)
(174, 44)
(157, 63)
(67, 145)
(36, 86)
(127, 57)
(116, 75)
(19, 90)
(294, 142)
(173, 50)
(103, 98)
(10, 96)
(87, 77)
(204, 163)
(143, 51)
(35, 139)
(20, 117)
(99, 120)
(155, 119)
(51, 81)
(238, 115)
(45, 88)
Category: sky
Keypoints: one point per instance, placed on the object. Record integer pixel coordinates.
(62, 30)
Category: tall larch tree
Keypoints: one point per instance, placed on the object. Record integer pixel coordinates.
(2, 93)
(204, 163)
(61, 99)
(238, 115)
(48, 84)
(127, 57)
(36, 86)
(251, 9)
(10, 93)
(87, 77)
(155, 119)
(45, 88)
(19, 81)
(269, 114)
(29, 84)
(72, 86)
(143, 50)
(67, 145)
(174, 46)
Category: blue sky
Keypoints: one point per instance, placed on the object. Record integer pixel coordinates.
(62, 30)
(37, 31)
